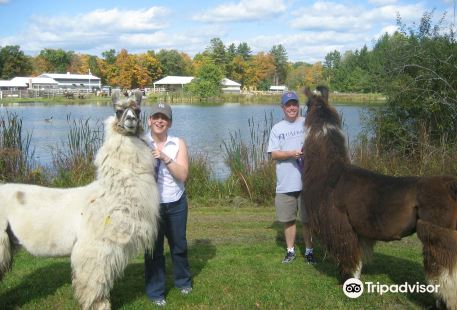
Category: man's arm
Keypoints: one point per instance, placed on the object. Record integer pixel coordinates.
(284, 155)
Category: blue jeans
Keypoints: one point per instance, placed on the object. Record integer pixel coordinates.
(173, 222)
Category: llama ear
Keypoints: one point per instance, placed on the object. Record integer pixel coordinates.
(323, 90)
(115, 96)
(308, 93)
(138, 97)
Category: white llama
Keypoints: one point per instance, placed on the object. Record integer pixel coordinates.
(101, 225)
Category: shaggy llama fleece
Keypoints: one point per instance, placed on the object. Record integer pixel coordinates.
(351, 208)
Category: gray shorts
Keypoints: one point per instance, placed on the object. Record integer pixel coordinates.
(288, 205)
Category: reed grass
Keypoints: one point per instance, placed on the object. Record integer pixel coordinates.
(16, 154)
(200, 186)
(73, 161)
(252, 173)
(426, 158)
(251, 168)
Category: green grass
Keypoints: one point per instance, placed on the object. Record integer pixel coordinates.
(235, 257)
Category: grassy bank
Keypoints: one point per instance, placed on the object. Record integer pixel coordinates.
(177, 98)
(235, 258)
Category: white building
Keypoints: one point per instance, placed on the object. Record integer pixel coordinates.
(12, 85)
(279, 88)
(36, 82)
(229, 86)
(173, 83)
(76, 81)
(176, 83)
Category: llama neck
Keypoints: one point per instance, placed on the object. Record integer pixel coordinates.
(122, 156)
(326, 155)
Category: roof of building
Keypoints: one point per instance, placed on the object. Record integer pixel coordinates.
(69, 76)
(174, 80)
(35, 80)
(278, 87)
(227, 82)
(4, 83)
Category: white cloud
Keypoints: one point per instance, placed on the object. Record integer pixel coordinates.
(384, 30)
(382, 2)
(4, 1)
(88, 31)
(311, 46)
(244, 10)
(340, 17)
(113, 20)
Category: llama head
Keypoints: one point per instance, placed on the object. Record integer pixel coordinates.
(318, 109)
(316, 99)
(128, 111)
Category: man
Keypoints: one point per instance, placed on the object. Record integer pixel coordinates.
(285, 144)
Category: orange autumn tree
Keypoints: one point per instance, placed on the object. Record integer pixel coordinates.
(314, 75)
(239, 69)
(79, 64)
(260, 71)
(125, 64)
(133, 71)
(148, 69)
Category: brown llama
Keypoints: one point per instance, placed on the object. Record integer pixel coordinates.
(351, 208)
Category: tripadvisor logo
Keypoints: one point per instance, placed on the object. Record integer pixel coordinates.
(353, 288)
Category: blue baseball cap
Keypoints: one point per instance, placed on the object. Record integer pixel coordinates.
(286, 97)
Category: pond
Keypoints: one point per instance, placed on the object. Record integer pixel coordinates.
(204, 128)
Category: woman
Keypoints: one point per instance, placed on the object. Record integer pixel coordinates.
(171, 173)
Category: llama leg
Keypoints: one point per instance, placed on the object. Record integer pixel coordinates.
(440, 260)
(95, 267)
(6, 255)
(342, 243)
(367, 253)
(358, 270)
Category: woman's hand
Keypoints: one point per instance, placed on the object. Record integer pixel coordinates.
(160, 155)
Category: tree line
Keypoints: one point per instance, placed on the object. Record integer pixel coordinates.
(127, 70)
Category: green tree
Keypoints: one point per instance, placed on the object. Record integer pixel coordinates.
(422, 86)
(331, 64)
(172, 63)
(244, 51)
(13, 62)
(109, 56)
(297, 77)
(217, 51)
(230, 67)
(231, 52)
(58, 60)
(207, 82)
(93, 65)
(280, 59)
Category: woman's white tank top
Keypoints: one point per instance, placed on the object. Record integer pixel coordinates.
(169, 188)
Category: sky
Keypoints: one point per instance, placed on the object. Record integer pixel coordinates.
(307, 29)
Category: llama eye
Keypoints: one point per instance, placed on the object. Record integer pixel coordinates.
(119, 113)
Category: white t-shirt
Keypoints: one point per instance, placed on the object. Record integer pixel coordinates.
(170, 189)
(287, 136)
